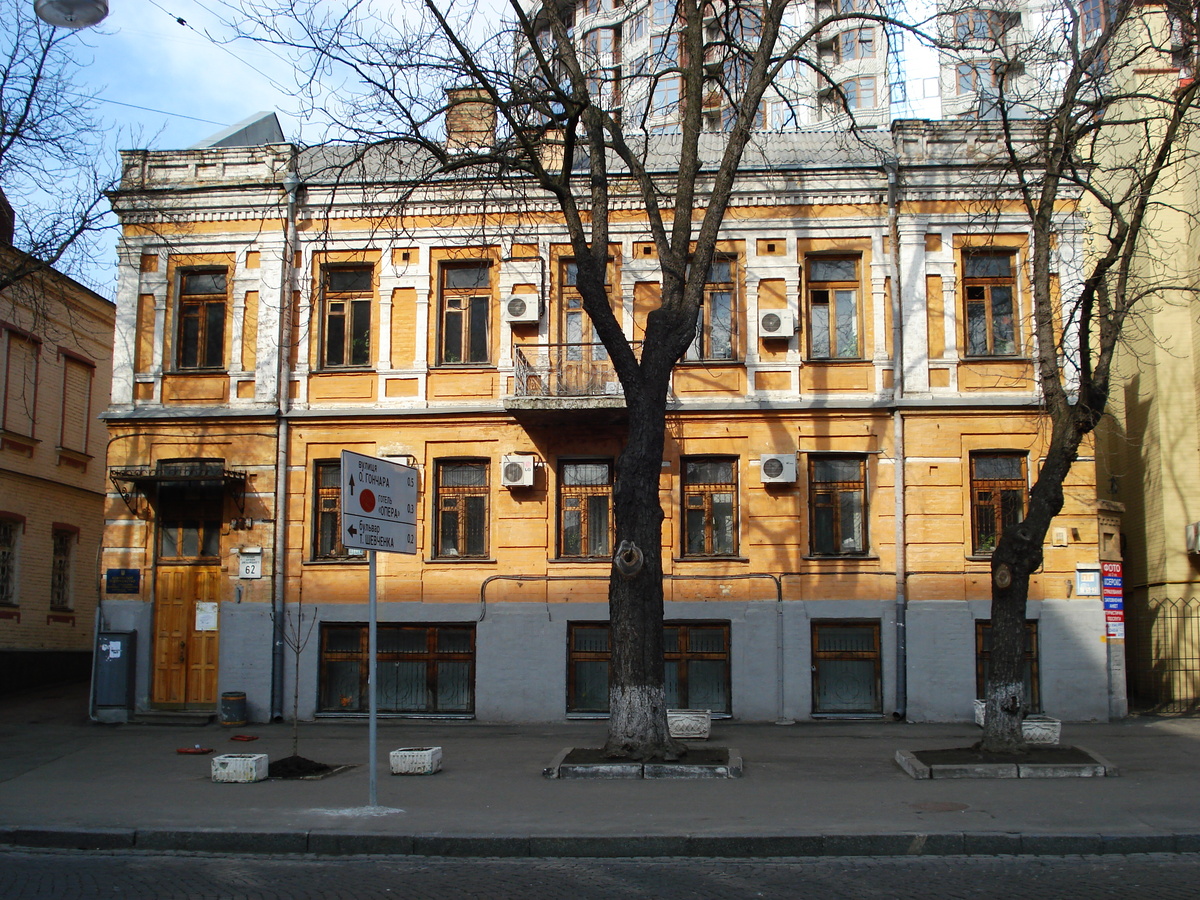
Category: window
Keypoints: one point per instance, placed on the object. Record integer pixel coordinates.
(585, 518)
(710, 506)
(976, 26)
(603, 46)
(10, 535)
(462, 509)
(421, 668)
(664, 12)
(838, 503)
(327, 513)
(988, 282)
(846, 668)
(202, 320)
(347, 295)
(695, 666)
(833, 307)
(975, 76)
(604, 88)
(20, 384)
(858, 43)
(860, 93)
(76, 405)
(665, 99)
(466, 313)
(585, 368)
(714, 338)
(63, 544)
(983, 660)
(189, 513)
(998, 494)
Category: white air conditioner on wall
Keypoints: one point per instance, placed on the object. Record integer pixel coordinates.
(522, 309)
(778, 468)
(516, 471)
(776, 323)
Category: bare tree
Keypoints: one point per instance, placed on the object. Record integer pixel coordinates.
(51, 143)
(1099, 109)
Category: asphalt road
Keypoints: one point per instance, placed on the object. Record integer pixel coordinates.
(64, 875)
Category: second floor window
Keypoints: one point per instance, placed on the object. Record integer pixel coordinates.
(833, 307)
(715, 322)
(466, 313)
(202, 320)
(347, 300)
(998, 494)
(585, 509)
(327, 513)
(709, 506)
(988, 283)
(461, 501)
(838, 503)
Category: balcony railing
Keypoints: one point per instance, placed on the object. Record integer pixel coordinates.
(565, 370)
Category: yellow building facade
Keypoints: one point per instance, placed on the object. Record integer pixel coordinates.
(857, 418)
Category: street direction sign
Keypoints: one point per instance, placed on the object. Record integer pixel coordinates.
(379, 504)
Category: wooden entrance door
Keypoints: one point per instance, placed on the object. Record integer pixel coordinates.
(185, 629)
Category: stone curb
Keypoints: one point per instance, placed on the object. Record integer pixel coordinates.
(328, 843)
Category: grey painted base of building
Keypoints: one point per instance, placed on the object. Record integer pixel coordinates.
(25, 670)
(521, 654)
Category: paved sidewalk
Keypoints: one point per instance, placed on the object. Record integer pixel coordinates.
(829, 788)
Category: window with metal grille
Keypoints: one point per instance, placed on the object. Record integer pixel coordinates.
(715, 323)
(833, 288)
(422, 669)
(466, 313)
(989, 284)
(347, 295)
(585, 508)
(709, 506)
(202, 302)
(696, 673)
(63, 543)
(461, 501)
(837, 499)
(10, 533)
(983, 662)
(327, 513)
(847, 673)
(999, 491)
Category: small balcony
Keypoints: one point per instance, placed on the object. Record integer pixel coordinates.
(551, 381)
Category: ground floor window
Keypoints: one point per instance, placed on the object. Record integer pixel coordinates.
(695, 666)
(983, 662)
(422, 668)
(847, 668)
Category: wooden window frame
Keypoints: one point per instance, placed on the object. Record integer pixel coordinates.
(699, 496)
(456, 494)
(198, 307)
(10, 558)
(341, 327)
(703, 348)
(980, 293)
(582, 493)
(327, 510)
(473, 307)
(62, 543)
(875, 655)
(984, 539)
(7, 419)
(814, 289)
(816, 501)
(431, 656)
(200, 506)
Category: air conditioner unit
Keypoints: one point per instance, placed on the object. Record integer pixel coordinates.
(1192, 537)
(778, 468)
(522, 309)
(776, 323)
(516, 471)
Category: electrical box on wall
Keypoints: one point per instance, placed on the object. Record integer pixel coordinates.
(778, 468)
(516, 471)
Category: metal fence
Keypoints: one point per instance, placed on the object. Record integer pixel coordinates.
(565, 370)
(1163, 655)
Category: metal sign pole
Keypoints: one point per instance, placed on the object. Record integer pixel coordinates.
(372, 682)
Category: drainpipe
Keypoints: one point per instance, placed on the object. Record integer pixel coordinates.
(287, 286)
(892, 169)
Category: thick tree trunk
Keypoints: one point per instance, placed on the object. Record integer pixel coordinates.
(638, 714)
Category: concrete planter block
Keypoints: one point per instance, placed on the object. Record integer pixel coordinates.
(239, 768)
(689, 724)
(1036, 729)
(416, 760)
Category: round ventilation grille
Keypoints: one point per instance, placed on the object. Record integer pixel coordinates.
(513, 472)
(771, 322)
(517, 307)
(773, 467)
